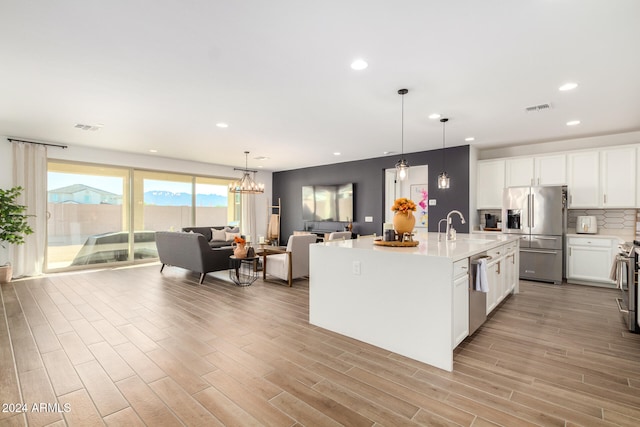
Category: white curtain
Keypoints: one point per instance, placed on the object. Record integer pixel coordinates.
(30, 173)
(249, 217)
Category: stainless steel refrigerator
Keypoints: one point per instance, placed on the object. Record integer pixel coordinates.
(539, 215)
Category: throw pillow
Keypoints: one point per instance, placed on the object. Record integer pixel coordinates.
(218, 235)
(231, 236)
(232, 230)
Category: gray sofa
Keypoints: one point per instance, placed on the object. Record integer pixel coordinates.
(206, 232)
(192, 252)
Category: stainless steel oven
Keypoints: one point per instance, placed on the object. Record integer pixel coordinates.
(627, 281)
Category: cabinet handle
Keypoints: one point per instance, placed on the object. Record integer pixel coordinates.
(605, 198)
(464, 268)
(570, 251)
(499, 267)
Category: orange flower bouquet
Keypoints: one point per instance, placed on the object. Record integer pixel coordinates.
(239, 240)
(403, 205)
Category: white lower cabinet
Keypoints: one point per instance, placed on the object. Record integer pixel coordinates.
(460, 301)
(495, 277)
(511, 269)
(502, 274)
(589, 260)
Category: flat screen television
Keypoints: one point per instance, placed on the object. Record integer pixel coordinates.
(327, 202)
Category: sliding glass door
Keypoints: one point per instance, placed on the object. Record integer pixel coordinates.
(214, 204)
(88, 221)
(100, 214)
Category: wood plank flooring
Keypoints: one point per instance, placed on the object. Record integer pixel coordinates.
(132, 346)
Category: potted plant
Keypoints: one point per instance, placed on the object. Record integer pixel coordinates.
(13, 225)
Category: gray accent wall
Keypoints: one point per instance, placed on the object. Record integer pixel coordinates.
(368, 178)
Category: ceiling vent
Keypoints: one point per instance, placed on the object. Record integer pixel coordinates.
(540, 107)
(88, 127)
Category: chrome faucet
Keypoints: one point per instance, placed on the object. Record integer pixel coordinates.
(448, 219)
(440, 222)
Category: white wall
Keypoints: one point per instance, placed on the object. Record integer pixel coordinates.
(473, 165)
(561, 145)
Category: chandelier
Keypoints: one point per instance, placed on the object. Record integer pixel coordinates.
(246, 184)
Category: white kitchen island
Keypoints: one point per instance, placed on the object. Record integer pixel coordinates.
(403, 299)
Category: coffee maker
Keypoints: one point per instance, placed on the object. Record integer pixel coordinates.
(490, 221)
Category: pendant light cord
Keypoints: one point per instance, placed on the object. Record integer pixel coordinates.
(443, 139)
(444, 123)
(402, 130)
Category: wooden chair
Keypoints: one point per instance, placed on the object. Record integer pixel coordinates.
(339, 235)
(291, 263)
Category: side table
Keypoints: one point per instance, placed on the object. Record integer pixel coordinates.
(243, 271)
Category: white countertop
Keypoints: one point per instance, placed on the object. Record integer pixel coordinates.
(464, 246)
(596, 236)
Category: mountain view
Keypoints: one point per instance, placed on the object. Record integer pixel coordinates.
(167, 198)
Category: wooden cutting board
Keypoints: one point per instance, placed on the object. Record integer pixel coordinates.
(396, 243)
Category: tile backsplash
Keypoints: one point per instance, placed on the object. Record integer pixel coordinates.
(607, 219)
(620, 221)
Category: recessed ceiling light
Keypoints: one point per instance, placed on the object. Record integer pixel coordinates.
(222, 125)
(573, 122)
(469, 139)
(434, 116)
(387, 152)
(359, 64)
(153, 151)
(568, 86)
(337, 153)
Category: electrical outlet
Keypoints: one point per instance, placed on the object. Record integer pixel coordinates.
(432, 202)
(368, 219)
(356, 268)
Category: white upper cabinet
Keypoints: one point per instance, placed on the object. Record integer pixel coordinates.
(490, 184)
(551, 170)
(543, 170)
(618, 178)
(519, 172)
(583, 179)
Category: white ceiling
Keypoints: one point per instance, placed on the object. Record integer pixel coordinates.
(160, 74)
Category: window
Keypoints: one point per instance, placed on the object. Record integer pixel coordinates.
(91, 209)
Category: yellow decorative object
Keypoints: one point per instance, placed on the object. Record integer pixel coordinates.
(403, 222)
(240, 251)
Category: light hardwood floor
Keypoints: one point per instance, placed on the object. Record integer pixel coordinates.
(133, 346)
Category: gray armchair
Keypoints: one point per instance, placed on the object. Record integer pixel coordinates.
(192, 252)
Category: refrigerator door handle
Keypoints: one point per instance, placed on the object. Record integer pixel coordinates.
(528, 212)
(532, 209)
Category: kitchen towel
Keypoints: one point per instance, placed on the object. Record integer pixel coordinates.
(618, 270)
(482, 282)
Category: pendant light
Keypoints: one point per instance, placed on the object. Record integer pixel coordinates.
(246, 184)
(443, 178)
(402, 167)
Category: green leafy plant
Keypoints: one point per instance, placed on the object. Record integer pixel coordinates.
(13, 220)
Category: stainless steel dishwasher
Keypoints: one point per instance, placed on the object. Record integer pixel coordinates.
(477, 299)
